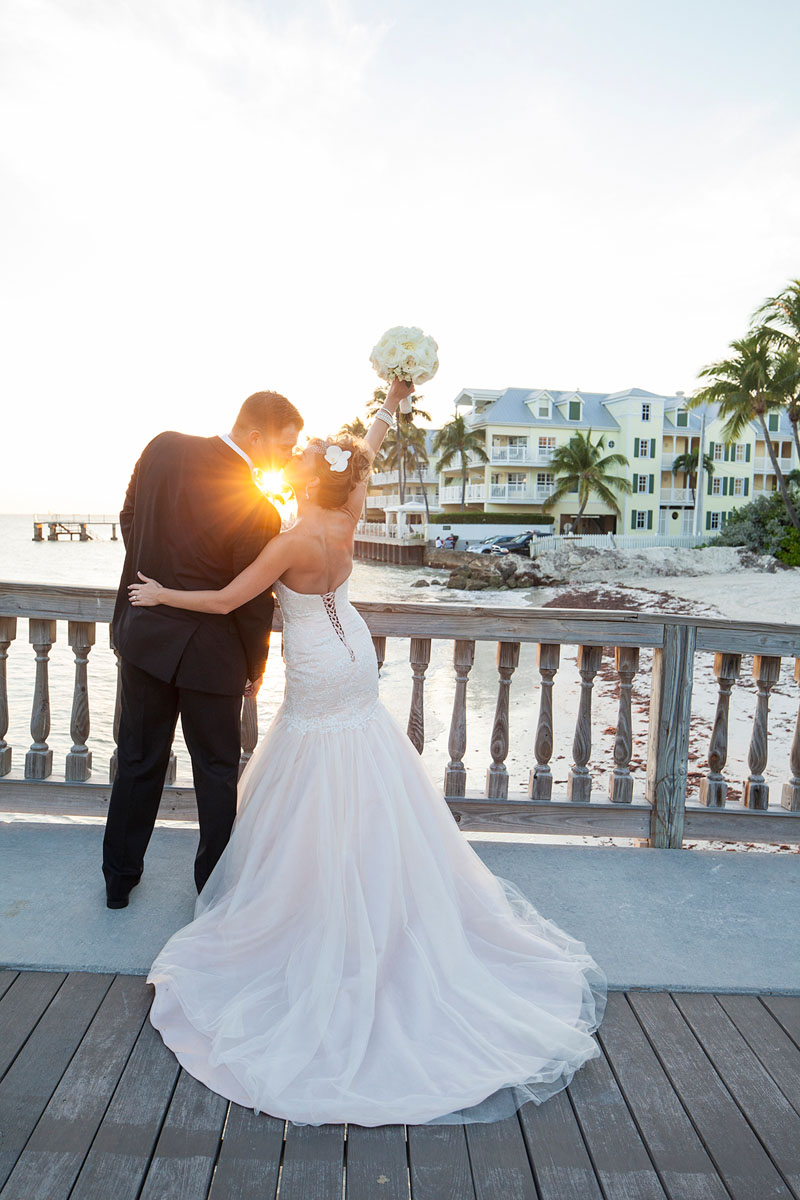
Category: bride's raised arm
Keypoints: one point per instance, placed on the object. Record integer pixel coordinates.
(373, 440)
(276, 557)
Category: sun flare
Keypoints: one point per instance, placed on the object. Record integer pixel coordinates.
(274, 486)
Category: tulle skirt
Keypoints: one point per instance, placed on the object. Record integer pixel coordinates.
(352, 959)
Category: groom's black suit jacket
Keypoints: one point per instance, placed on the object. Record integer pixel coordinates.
(193, 519)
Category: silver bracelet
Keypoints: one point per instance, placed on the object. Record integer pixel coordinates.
(383, 414)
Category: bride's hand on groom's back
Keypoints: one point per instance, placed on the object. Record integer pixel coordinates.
(146, 593)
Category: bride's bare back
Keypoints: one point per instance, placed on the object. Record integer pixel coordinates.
(321, 551)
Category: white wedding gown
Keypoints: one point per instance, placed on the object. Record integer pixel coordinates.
(351, 958)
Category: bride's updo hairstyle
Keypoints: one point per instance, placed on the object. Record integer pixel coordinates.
(336, 486)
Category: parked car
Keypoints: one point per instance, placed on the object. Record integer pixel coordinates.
(503, 543)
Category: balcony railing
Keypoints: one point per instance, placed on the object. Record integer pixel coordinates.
(530, 492)
(452, 495)
(652, 656)
(524, 457)
(676, 496)
(764, 464)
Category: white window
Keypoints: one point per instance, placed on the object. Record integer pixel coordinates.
(517, 477)
(544, 478)
(517, 449)
(543, 409)
(546, 446)
(714, 520)
(644, 447)
(641, 518)
(739, 455)
(719, 451)
(643, 483)
(716, 486)
(645, 412)
(738, 487)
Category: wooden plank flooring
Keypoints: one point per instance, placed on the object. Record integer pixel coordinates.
(694, 1097)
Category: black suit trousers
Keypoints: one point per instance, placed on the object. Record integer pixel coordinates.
(211, 725)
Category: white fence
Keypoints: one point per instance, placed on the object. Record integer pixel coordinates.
(613, 541)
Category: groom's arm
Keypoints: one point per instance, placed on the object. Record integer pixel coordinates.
(126, 513)
(254, 617)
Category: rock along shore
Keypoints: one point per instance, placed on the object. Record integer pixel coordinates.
(568, 563)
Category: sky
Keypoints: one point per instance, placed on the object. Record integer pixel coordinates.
(203, 198)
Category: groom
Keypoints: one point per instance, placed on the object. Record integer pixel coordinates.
(192, 518)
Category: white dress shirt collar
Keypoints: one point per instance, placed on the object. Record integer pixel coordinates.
(226, 437)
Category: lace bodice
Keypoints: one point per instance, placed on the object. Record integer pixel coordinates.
(331, 669)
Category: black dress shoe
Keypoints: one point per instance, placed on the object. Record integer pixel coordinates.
(118, 899)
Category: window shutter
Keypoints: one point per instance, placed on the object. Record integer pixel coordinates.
(710, 449)
(710, 478)
(747, 487)
(649, 518)
(747, 452)
(633, 518)
(636, 483)
(724, 485)
(652, 480)
(724, 517)
(635, 447)
(708, 520)
(652, 447)
(726, 450)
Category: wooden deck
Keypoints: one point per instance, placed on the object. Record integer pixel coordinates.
(695, 1097)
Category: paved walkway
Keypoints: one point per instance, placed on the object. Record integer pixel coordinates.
(681, 920)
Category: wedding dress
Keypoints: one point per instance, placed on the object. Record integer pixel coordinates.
(351, 958)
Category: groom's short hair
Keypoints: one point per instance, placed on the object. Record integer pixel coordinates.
(268, 411)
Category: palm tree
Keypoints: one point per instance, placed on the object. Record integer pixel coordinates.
(689, 463)
(356, 428)
(457, 440)
(393, 453)
(417, 459)
(581, 467)
(781, 315)
(748, 386)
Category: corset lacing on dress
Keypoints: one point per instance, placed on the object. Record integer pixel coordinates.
(329, 600)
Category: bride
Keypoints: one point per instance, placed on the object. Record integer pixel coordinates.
(351, 957)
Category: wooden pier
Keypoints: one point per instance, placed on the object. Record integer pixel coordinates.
(693, 1097)
(72, 527)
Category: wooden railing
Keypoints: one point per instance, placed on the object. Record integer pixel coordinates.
(663, 817)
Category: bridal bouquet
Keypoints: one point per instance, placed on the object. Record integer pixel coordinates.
(405, 352)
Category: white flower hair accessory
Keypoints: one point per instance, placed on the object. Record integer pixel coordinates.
(337, 457)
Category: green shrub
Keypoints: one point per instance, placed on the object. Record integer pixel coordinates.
(789, 551)
(760, 526)
(491, 518)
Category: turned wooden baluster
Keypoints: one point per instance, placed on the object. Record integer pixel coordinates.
(579, 781)
(540, 784)
(249, 730)
(766, 670)
(713, 788)
(81, 637)
(39, 759)
(8, 631)
(419, 657)
(790, 792)
(380, 650)
(497, 775)
(455, 776)
(620, 783)
(112, 763)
